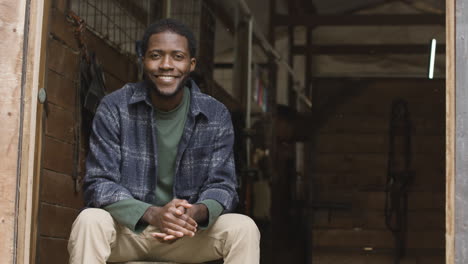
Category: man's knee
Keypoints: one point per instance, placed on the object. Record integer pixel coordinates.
(93, 217)
(241, 224)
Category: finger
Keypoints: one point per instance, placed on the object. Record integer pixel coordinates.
(186, 229)
(191, 221)
(179, 230)
(158, 235)
(170, 241)
(189, 224)
(170, 221)
(169, 237)
(176, 211)
(183, 203)
(182, 209)
(174, 232)
(186, 218)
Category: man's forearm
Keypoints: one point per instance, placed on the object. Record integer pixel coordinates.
(129, 213)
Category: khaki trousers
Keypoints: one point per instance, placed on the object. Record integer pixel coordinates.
(97, 238)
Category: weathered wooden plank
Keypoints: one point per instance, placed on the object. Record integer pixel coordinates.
(374, 162)
(375, 97)
(12, 13)
(59, 189)
(358, 237)
(375, 143)
(112, 61)
(60, 27)
(61, 5)
(58, 156)
(418, 107)
(366, 257)
(381, 89)
(56, 221)
(461, 137)
(370, 124)
(361, 20)
(60, 90)
(62, 60)
(428, 181)
(418, 220)
(60, 124)
(112, 83)
(375, 200)
(451, 152)
(364, 49)
(52, 251)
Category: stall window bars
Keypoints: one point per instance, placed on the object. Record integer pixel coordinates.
(119, 22)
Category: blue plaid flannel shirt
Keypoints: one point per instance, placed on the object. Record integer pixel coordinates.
(122, 160)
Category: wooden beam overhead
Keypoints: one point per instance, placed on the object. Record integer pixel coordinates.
(366, 49)
(358, 20)
(226, 18)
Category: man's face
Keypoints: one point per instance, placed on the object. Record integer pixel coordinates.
(167, 62)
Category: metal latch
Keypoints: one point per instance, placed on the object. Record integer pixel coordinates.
(42, 95)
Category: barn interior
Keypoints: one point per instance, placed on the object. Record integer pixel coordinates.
(338, 108)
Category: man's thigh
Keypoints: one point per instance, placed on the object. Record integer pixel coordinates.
(207, 245)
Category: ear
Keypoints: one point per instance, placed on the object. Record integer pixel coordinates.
(193, 63)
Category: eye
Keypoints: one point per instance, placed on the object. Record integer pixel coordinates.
(154, 56)
(179, 57)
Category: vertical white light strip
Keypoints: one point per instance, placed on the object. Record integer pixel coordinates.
(432, 59)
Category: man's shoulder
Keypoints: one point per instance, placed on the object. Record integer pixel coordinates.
(210, 106)
(121, 96)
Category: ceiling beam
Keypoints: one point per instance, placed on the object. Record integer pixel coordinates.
(358, 20)
(226, 18)
(366, 49)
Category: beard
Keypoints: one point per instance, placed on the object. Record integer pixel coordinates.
(161, 93)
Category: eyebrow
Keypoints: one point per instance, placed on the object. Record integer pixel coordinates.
(160, 50)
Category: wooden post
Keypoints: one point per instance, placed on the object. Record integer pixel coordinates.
(20, 62)
(13, 14)
(457, 80)
(450, 133)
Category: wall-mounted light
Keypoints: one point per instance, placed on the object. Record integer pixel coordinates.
(432, 58)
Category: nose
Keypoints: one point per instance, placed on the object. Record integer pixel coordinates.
(166, 63)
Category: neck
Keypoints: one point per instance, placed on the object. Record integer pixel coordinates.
(165, 103)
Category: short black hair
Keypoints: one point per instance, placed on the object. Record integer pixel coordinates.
(171, 25)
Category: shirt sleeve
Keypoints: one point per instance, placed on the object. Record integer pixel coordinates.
(101, 185)
(221, 181)
(214, 211)
(128, 213)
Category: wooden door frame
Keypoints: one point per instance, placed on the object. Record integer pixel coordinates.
(450, 132)
(456, 238)
(30, 137)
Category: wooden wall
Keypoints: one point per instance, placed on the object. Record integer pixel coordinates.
(59, 203)
(349, 166)
(12, 17)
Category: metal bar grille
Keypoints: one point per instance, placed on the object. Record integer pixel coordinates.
(120, 23)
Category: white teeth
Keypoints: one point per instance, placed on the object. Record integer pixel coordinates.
(166, 78)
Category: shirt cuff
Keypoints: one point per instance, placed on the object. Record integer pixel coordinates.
(128, 213)
(214, 211)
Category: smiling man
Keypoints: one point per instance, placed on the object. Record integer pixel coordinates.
(160, 178)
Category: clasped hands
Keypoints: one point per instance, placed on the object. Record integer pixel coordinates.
(176, 219)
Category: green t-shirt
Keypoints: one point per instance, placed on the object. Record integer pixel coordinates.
(170, 127)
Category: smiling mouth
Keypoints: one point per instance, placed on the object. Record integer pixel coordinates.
(166, 78)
